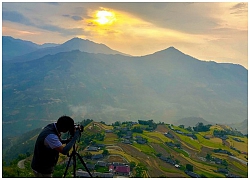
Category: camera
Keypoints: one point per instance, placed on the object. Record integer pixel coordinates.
(79, 127)
(75, 128)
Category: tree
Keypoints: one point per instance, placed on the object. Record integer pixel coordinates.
(189, 167)
(181, 126)
(87, 155)
(137, 129)
(189, 128)
(208, 157)
(105, 152)
(132, 164)
(117, 123)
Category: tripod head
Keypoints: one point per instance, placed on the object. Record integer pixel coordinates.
(77, 127)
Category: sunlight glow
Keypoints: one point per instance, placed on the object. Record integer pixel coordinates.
(105, 17)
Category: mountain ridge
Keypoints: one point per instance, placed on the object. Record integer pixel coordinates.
(112, 87)
(72, 44)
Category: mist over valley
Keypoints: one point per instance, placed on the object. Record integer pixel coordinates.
(86, 80)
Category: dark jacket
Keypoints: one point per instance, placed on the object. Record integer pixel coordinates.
(45, 158)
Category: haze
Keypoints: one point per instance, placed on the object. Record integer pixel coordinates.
(207, 31)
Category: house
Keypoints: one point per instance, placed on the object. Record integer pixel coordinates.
(237, 139)
(229, 175)
(109, 131)
(191, 135)
(177, 165)
(192, 174)
(101, 163)
(217, 160)
(100, 145)
(84, 174)
(92, 148)
(143, 141)
(170, 144)
(179, 132)
(97, 156)
(120, 170)
(127, 137)
(169, 135)
(222, 170)
(90, 166)
(168, 160)
(126, 141)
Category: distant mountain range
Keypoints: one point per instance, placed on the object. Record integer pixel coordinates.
(87, 80)
(27, 51)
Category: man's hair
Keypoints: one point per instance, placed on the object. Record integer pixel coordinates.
(65, 123)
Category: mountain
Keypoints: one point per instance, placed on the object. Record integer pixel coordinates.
(47, 45)
(164, 150)
(191, 121)
(241, 126)
(73, 44)
(16, 47)
(165, 86)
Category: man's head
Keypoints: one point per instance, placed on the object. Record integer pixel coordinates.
(64, 124)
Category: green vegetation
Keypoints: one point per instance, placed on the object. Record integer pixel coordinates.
(144, 151)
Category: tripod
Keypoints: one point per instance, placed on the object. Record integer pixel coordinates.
(73, 154)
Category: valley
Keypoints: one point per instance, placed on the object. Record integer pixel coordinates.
(160, 150)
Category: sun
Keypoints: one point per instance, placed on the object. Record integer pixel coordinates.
(105, 17)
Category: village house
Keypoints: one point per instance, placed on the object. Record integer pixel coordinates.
(169, 135)
(120, 170)
(83, 174)
(192, 174)
(92, 148)
(90, 166)
(101, 163)
(237, 139)
(97, 156)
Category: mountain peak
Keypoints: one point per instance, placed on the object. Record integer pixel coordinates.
(170, 51)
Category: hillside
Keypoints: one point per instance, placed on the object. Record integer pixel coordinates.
(70, 45)
(165, 86)
(242, 127)
(160, 150)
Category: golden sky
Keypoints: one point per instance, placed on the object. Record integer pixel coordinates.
(206, 30)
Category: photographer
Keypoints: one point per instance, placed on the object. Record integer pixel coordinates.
(49, 144)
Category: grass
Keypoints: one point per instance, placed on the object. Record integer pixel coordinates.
(128, 157)
(144, 148)
(181, 129)
(200, 165)
(181, 152)
(169, 170)
(212, 142)
(209, 174)
(150, 139)
(242, 146)
(193, 143)
(110, 138)
(157, 135)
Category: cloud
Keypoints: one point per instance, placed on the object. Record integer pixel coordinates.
(109, 109)
(63, 31)
(78, 110)
(52, 3)
(16, 17)
(77, 18)
(239, 8)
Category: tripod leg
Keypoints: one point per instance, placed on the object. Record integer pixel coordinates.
(67, 165)
(74, 166)
(83, 163)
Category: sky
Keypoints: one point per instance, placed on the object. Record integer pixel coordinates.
(210, 31)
